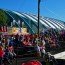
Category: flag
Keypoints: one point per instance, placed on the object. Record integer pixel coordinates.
(14, 22)
(19, 22)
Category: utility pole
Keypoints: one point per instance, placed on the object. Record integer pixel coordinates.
(38, 15)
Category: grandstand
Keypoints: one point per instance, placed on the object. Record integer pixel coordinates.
(31, 21)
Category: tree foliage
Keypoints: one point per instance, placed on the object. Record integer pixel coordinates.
(3, 18)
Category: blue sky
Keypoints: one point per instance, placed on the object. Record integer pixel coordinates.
(49, 8)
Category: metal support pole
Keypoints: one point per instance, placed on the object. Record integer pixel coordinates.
(38, 15)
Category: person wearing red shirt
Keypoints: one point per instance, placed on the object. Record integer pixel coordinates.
(32, 62)
(1, 54)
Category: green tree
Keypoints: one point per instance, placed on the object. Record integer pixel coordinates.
(3, 18)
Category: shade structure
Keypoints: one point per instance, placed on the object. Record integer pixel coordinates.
(31, 21)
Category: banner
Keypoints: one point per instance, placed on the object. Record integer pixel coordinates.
(3, 29)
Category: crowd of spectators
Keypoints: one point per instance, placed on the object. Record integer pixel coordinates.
(8, 44)
(50, 40)
(55, 40)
